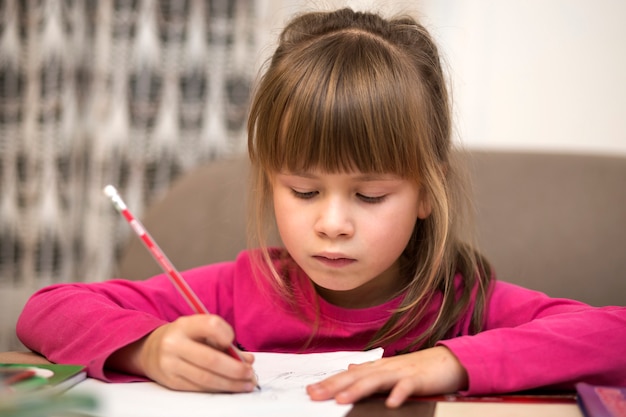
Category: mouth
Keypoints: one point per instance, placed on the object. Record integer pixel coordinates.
(334, 261)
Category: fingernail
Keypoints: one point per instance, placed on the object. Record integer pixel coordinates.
(316, 391)
(319, 387)
(393, 402)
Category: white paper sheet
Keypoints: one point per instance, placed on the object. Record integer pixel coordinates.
(282, 377)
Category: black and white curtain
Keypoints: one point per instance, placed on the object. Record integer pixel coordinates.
(95, 92)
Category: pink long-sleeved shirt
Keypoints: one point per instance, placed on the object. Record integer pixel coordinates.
(529, 340)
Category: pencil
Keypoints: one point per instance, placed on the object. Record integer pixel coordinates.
(175, 277)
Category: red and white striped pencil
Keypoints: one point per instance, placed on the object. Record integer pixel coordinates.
(157, 253)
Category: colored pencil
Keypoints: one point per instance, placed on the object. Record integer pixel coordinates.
(175, 277)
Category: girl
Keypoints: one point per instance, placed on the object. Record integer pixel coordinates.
(349, 139)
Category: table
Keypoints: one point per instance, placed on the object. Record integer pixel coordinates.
(375, 407)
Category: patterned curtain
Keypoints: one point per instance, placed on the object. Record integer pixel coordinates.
(92, 92)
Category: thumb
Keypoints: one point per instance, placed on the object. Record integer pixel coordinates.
(210, 329)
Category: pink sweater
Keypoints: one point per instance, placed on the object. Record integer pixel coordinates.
(529, 340)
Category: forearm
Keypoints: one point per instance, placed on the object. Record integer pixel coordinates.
(554, 351)
(68, 324)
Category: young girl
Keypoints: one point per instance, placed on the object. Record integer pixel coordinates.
(349, 139)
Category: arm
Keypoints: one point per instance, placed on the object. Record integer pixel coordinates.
(530, 341)
(86, 323)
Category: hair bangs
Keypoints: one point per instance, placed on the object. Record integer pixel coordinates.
(335, 121)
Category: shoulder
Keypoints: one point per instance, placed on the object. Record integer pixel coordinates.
(515, 305)
(504, 292)
(507, 292)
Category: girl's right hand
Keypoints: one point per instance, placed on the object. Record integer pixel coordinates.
(189, 354)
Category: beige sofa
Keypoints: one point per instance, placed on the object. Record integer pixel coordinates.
(552, 222)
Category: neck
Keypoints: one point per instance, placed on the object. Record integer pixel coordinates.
(375, 292)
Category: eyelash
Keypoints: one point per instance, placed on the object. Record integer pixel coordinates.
(371, 200)
(304, 196)
(310, 194)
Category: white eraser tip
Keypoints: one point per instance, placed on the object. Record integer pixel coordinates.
(110, 190)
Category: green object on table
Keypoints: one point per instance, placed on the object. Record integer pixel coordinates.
(46, 406)
(43, 394)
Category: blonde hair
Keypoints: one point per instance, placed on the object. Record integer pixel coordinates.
(349, 90)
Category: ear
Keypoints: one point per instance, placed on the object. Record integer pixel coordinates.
(424, 207)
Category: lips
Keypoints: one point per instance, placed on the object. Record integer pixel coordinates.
(334, 261)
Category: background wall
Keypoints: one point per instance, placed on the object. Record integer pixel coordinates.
(531, 74)
(537, 74)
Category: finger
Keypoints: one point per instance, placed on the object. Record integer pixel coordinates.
(401, 391)
(189, 377)
(217, 362)
(343, 383)
(214, 331)
(217, 379)
(329, 387)
(366, 385)
(210, 329)
(354, 366)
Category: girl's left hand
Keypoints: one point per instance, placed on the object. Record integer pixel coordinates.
(426, 372)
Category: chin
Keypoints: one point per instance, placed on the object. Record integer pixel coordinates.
(335, 288)
(334, 282)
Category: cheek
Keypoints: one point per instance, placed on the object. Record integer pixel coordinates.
(395, 227)
(396, 232)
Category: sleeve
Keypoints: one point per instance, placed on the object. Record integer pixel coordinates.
(533, 341)
(84, 323)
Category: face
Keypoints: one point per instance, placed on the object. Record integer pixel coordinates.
(347, 230)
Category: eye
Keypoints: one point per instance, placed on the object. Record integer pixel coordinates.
(306, 195)
(370, 199)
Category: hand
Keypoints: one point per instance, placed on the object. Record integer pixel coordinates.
(189, 355)
(426, 372)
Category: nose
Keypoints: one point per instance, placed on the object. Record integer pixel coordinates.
(334, 219)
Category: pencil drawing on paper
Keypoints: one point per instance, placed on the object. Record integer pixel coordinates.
(285, 376)
(292, 379)
(290, 383)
